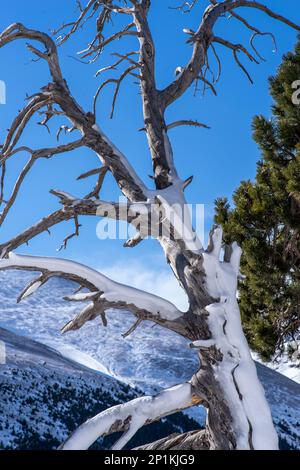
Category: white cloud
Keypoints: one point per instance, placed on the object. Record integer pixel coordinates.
(159, 282)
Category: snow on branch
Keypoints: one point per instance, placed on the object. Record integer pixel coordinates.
(106, 293)
(239, 379)
(130, 417)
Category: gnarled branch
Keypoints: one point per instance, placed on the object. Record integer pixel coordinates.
(107, 294)
(202, 40)
(59, 93)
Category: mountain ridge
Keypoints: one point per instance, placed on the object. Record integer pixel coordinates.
(45, 396)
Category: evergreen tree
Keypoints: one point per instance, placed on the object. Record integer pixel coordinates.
(265, 221)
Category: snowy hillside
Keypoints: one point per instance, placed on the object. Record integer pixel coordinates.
(150, 358)
(44, 397)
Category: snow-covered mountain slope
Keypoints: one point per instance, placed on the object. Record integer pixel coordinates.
(151, 358)
(285, 365)
(45, 396)
(283, 396)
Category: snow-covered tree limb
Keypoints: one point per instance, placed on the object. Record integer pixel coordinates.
(130, 417)
(106, 294)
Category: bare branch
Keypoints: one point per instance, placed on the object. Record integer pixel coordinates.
(218, 62)
(256, 32)
(96, 191)
(118, 62)
(236, 48)
(79, 22)
(118, 84)
(264, 9)
(184, 122)
(89, 313)
(207, 83)
(134, 241)
(187, 182)
(117, 9)
(262, 34)
(133, 328)
(82, 207)
(20, 122)
(202, 40)
(129, 182)
(100, 88)
(155, 125)
(33, 286)
(119, 81)
(74, 207)
(18, 31)
(49, 113)
(74, 234)
(35, 155)
(186, 7)
(96, 171)
(96, 49)
(2, 181)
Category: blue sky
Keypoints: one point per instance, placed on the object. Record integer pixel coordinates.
(218, 158)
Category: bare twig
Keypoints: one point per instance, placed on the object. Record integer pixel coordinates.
(118, 84)
(35, 155)
(237, 48)
(133, 328)
(185, 122)
(79, 22)
(96, 191)
(96, 171)
(185, 7)
(74, 234)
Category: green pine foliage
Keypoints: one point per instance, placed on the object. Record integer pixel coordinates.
(265, 221)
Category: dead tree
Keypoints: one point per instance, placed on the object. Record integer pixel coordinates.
(238, 416)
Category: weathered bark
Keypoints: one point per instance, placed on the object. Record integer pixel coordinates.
(193, 440)
(223, 349)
